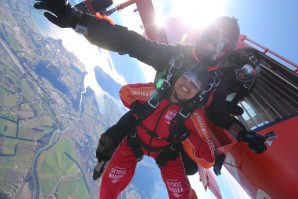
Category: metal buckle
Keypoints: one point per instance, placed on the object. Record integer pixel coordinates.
(152, 104)
(183, 115)
(133, 133)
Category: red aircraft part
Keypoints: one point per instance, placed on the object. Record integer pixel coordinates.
(274, 173)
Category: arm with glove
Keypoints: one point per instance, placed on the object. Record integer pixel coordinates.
(256, 142)
(110, 140)
(102, 33)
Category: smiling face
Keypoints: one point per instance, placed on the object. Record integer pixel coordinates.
(185, 88)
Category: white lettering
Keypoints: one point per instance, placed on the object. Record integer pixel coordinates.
(175, 186)
(170, 115)
(116, 174)
(202, 128)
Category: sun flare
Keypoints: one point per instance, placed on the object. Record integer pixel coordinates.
(196, 12)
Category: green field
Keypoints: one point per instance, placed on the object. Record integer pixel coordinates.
(54, 164)
(8, 128)
(74, 188)
(11, 74)
(3, 91)
(23, 157)
(27, 90)
(42, 121)
(13, 168)
(10, 100)
(8, 146)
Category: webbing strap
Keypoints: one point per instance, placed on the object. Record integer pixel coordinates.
(133, 143)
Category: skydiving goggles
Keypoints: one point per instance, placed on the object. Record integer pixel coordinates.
(247, 73)
(217, 39)
(193, 77)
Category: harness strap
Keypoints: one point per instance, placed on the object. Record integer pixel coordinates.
(133, 143)
(152, 149)
(178, 130)
(152, 133)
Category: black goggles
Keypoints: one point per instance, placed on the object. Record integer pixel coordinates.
(216, 37)
(247, 72)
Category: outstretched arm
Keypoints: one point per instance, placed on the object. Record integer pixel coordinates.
(119, 39)
(106, 35)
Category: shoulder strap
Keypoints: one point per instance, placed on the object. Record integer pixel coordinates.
(141, 111)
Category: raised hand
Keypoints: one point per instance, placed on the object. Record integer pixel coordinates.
(255, 141)
(59, 12)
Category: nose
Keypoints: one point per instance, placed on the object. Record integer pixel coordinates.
(190, 84)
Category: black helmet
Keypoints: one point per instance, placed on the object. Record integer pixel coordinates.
(217, 39)
(231, 30)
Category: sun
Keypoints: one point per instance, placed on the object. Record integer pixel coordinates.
(198, 12)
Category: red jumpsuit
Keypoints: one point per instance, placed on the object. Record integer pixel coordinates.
(198, 146)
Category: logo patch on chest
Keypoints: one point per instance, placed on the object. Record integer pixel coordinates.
(170, 115)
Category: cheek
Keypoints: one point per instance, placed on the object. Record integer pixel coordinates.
(178, 82)
(194, 90)
(192, 93)
(176, 85)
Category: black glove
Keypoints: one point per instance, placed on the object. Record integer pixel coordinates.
(255, 141)
(63, 15)
(98, 169)
(190, 166)
(105, 148)
(170, 153)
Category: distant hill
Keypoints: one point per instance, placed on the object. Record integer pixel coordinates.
(128, 67)
(106, 82)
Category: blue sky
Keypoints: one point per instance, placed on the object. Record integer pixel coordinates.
(272, 23)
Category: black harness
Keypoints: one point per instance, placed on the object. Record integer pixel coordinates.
(178, 132)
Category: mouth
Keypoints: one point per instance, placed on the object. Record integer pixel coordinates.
(184, 88)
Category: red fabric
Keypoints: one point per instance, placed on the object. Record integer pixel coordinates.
(158, 122)
(121, 168)
(197, 145)
(132, 92)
